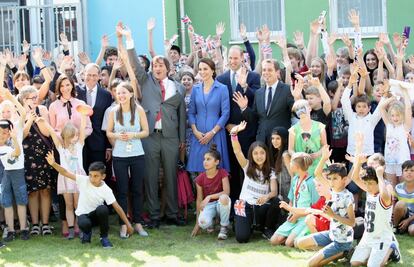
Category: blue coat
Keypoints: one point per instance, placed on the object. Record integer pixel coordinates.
(207, 111)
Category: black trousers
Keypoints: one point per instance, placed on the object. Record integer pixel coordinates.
(257, 217)
(130, 173)
(98, 217)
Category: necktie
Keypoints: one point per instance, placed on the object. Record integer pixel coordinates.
(89, 97)
(162, 100)
(269, 99)
(233, 82)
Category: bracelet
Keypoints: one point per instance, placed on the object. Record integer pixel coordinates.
(42, 67)
(214, 132)
(234, 137)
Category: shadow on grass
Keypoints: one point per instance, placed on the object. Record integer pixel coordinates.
(169, 245)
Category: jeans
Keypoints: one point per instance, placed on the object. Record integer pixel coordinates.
(211, 210)
(126, 168)
(98, 217)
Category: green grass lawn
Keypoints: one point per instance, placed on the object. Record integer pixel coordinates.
(169, 246)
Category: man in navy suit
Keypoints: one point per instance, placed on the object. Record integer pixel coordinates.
(238, 79)
(97, 147)
(272, 104)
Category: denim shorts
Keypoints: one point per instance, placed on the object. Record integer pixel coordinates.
(13, 185)
(330, 248)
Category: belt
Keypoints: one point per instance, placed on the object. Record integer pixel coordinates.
(157, 130)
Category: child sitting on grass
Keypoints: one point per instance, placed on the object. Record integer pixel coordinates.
(404, 208)
(338, 239)
(213, 189)
(93, 192)
(302, 194)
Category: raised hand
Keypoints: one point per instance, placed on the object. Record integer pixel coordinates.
(47, 56)
(396, 38)
(118, 64)
(266, 33)
(297, 90)
(326, 152)
(379, 51)
(379, 171)
(151, 24)
(243, 31)
(220, 28)
(383, 38)
(84, 58)
(63, 40)
(331, 61)
(9, 58)
(123, 30)
(22, 61)
(3, 60)
(25, 47)
(280, 41)
(104, 41)
(37, 55)
(241, 100)
(298, 39)
(314, 26)
(242, 77)
(346, 40)
(238, 128)
(353, 17)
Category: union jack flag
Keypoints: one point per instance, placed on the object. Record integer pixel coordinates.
(198, 39)
(186, 20)
(266, 49)
(210, 44)
(240, 208)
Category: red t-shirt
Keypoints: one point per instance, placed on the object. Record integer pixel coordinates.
(211, 185)
(321, 223)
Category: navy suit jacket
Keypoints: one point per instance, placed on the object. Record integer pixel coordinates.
(97, 141)
(278, 115)
(247, 136)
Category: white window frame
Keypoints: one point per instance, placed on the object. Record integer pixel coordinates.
(235, 24)
(366, 32)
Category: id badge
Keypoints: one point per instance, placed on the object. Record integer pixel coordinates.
(128, 147)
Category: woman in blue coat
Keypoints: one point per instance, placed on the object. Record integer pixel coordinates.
(208, 113)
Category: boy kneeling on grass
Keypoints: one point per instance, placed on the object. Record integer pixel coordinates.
(91, 210)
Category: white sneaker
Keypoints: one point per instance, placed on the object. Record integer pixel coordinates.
(223, 233)
(5, 231)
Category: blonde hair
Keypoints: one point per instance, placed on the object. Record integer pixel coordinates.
(398, 107)
(68, 132)
(300, 104)
(302, 159)
(378, 157)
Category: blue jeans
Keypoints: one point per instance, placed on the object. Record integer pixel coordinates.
(211, 210)
(13, 185)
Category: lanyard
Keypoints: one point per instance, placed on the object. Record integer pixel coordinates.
(297, 189)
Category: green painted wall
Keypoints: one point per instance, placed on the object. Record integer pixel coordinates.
(298, 14)
(172, 14)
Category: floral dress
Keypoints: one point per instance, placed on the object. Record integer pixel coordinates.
(39, 174)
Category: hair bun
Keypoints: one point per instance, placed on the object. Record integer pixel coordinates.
(213, 147)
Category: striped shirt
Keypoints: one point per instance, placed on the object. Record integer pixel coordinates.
(407, 197)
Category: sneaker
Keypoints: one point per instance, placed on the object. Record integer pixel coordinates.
(86, 237)
(106, 243)
(395, 254)
(267, 233)
(223, 233)
(71, 234)
(348, 253)
(25, 234)
(2, 245)
(10, 236)
(35, 230)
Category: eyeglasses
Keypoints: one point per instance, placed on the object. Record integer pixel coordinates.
(32, 98)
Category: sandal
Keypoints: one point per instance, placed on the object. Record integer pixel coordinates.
(35, 230)
(46, 230)
(123, 233)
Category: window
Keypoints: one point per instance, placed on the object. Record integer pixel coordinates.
(372, 16)
(255, 13)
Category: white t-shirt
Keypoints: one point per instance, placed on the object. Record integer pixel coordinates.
(340, 232)
(9, 162)
(252, 190)
(90, 196)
